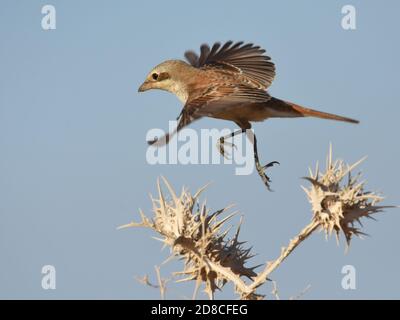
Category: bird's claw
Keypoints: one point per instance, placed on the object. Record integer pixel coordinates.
(221, 147)
(262, 174)
(151, 142)
(270, 164)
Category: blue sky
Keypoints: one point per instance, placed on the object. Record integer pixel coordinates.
(73, 128)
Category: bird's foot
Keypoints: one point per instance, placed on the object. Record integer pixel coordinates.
(221, 147)
(151, 142)
(261, 171)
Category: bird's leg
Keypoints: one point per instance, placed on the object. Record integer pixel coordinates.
(261, 169)
(222, 141)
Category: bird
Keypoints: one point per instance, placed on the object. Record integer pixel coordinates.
(228, 81)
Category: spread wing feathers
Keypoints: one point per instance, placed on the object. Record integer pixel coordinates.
(245, 59)
(192, 58)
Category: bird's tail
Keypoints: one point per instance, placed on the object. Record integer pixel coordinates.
(306, 112)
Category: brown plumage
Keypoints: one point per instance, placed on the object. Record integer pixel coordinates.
(227, 82)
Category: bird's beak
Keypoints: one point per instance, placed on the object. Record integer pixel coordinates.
(145, 86)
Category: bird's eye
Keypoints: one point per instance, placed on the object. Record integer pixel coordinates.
(154, 76)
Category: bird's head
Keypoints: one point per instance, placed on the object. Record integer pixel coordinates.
(171, 75)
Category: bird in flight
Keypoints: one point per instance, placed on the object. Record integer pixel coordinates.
(228, 82)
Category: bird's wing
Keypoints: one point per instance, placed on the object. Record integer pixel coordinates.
(245, 59)
(217, 99)
(222, 97)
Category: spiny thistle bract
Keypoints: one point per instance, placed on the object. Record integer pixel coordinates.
(197, 236)
(338, 204)
(211, 258)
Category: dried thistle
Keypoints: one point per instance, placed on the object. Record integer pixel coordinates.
(338, 203)
(197, 236)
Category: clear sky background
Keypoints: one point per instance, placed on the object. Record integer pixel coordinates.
(73, 127)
